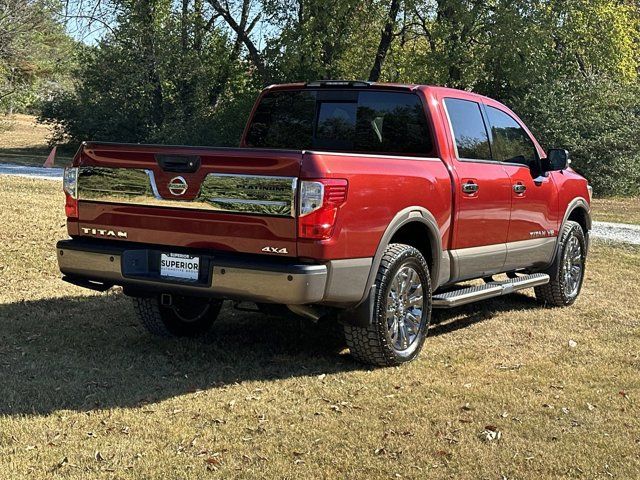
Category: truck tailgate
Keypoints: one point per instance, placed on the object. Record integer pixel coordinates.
(240, 200)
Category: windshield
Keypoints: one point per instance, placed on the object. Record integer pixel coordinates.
(341, 120)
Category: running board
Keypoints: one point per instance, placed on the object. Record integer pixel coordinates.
(455, 298)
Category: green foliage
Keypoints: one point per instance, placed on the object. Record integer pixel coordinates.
(597, 119)
(161, 77)
(35, 53)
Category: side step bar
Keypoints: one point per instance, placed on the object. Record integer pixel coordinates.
(455, 298)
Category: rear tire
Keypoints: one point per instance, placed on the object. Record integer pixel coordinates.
(402, 310)
(567, 270)
(186, 317)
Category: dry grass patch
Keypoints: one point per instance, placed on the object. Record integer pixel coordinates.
(86, 393)
(23, 141)
(617, 209)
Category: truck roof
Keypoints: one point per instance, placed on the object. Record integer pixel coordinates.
(378, 85)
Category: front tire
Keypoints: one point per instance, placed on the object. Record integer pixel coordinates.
(402, 310)
(567, 270)
(185, 317)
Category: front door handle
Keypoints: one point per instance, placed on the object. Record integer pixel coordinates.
(470, 187)
(519, 188)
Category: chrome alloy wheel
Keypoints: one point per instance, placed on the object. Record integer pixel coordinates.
(405, 304)
(572, 267)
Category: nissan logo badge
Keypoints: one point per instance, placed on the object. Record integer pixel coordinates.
(178, 186)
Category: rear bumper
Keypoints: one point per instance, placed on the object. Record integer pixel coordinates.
(135, 266)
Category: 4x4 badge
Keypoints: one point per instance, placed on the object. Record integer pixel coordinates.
(282, 251)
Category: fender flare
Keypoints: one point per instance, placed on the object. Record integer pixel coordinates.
(575, 204)
(402, 218)
(362, 313)
(578, 202)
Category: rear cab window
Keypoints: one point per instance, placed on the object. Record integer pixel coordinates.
(358, 121)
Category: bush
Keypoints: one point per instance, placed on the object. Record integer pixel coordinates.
(598, 120)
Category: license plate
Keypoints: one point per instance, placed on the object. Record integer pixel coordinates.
(176, 265)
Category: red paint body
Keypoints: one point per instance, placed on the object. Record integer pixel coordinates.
(378, 188)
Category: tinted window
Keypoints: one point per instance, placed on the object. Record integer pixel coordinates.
(336, 125)
(283, 120)
(391, 123)
(469, 130)
(365, 121)
(510, 142)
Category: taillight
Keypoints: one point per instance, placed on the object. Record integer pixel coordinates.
(70, 187)
(319, 204)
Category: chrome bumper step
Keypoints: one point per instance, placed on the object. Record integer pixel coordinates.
(455, 298)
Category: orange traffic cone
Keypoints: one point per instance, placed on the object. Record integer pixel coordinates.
(51, 158)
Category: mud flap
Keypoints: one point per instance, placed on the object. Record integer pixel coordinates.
(361, 315)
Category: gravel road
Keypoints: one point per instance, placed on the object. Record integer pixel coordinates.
(32, 172)
(615, 232)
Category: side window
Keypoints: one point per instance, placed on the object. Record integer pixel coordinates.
(472, 140)
(390, 122)
(510, 142)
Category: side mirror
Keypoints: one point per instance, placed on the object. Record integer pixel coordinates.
(557, 159)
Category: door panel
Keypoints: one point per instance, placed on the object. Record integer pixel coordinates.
(534, 210)
(482, 217)
(482, 194)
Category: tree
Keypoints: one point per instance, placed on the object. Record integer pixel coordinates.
(34, 51)
(169, 70)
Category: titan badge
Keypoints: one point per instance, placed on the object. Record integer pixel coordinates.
(102, 232)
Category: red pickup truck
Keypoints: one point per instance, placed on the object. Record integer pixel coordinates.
(370, 202)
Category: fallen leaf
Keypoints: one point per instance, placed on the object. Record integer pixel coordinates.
(490, 434)
(98, 456)
(61, 463)
(573, 344)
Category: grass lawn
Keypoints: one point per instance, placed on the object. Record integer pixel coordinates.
(86, 393)
(616, 209)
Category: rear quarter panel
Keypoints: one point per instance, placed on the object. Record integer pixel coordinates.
(379, 187)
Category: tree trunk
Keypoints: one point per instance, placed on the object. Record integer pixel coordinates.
(147, 12)
(385, 41)
(242, 33)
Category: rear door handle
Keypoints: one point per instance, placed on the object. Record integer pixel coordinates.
(470, 187)
(519, 188)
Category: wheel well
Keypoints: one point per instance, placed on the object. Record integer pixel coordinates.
(579, 215)
(418, 235)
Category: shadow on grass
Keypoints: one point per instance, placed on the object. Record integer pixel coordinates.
(447, 321)
(83, 353)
